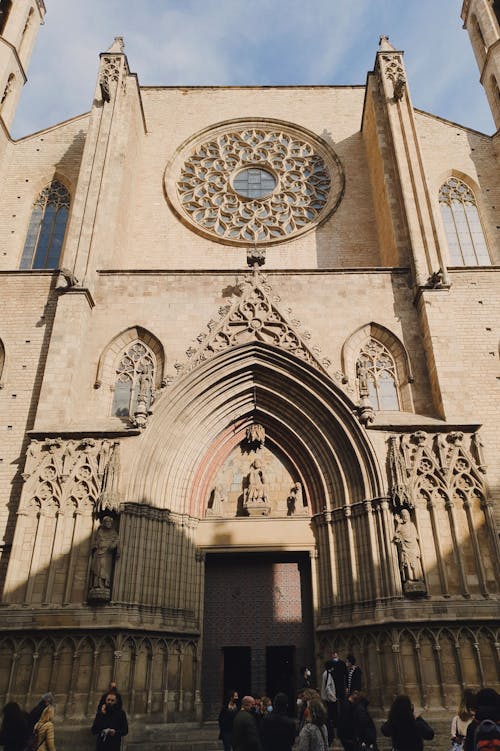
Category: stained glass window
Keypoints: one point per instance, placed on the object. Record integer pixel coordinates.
(254, 183)
(44, 241)
(376, 364)
(134, 374)
(462, 225)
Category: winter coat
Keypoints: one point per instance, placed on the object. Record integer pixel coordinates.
(44, 730)
(114, 718)
(313, 738)
(412, 739)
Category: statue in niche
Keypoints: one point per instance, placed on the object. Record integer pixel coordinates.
(410, 558)
(256, 435)
(295, 500)
(217, 500)
(105, 551)
(256, 500)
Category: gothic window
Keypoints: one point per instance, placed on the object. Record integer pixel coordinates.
(5, 6)
(462, 225)
(376, 372)
(134, 375)
(44, 241)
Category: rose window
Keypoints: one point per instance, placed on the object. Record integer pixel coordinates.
(249, 183)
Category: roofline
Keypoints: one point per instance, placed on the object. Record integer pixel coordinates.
(452, 122)
(50, 127)
(259, 86)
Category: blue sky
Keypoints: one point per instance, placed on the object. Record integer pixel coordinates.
(220, 42)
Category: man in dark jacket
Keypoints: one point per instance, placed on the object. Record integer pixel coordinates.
(245, 732)
(487, 708)
(277, 729)
(110, 725)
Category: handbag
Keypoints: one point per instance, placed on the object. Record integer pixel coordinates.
(457, 745)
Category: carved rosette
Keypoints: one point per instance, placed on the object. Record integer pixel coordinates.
(307, 175)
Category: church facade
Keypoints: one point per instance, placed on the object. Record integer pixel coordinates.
(249, 388)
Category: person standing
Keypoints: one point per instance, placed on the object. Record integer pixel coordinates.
(110, 725)
(277, 729)
(406, 731)
(44, 730)
(354, 675)
(37, 710)
(226, 720)
(460, 724)
(314, 734)
(245, 731)
(329, 697)
(112, 689)
(15, 729)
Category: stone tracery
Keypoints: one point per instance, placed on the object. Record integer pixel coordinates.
(307, 175)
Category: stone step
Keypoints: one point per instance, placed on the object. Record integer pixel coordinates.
(191, 736)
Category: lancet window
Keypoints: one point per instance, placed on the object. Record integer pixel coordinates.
(134, 377)
(376, 372)
(47, 227)
(462, 225)
(5, 6)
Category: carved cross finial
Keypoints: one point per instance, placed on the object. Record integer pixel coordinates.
(118, 45)
(384, 44)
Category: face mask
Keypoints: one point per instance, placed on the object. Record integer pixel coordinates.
(269, 709)
(308, 673)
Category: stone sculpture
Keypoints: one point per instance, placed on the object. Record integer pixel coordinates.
(105, 550)
(407, 542)
(256, 500)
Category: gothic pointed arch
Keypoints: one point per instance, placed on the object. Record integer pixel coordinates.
(463, 228)
(380, 335)
(106, 369)
(47, 228)
(205, 414)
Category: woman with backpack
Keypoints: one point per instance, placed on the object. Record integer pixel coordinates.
(483, 733)
(406, 731)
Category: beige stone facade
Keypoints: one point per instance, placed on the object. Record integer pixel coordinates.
(196, 367)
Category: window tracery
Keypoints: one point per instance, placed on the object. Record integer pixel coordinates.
(254, 182)
(134, 379)
(376, 371)
(462, 225)
(47, 227)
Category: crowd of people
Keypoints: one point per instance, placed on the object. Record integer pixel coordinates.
(338, 708)
(34, 731)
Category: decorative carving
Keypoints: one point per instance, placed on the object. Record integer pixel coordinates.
(399, 88)
(71, 473)
(256, 501)
(252, 317)
(304, 183)
(109, 499)
(295, 500)
(421, 465)
(217, 500)
(105, 550)
(256, 257)
(407, 542)
(256, 436)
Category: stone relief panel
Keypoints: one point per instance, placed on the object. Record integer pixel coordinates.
(68, 483)
(438, 485)
(256, 482)
(254, 181)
